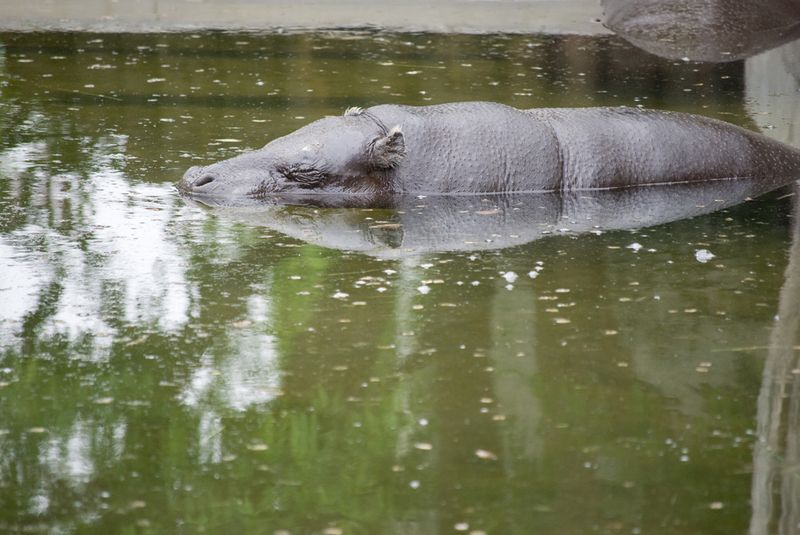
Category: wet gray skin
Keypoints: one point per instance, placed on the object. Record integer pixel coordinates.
(704, 30)
(480, 147)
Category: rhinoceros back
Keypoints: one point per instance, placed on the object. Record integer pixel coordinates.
(624, 147)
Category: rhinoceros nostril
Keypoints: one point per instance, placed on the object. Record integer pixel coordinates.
(203, 180)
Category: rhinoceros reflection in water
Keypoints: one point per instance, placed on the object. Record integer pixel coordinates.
(419, 224)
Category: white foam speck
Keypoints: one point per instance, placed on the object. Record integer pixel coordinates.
(703, 255)
(510, 276)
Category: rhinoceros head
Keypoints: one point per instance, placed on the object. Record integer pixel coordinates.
(350, 154)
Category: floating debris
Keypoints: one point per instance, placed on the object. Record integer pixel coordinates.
(340, 295)
(635, 247)
(510, 276)
(424, 289)
(486, 455)
(424, 446)
(703, 255)
(703, 367)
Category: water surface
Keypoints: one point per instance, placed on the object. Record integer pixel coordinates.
(167, 367)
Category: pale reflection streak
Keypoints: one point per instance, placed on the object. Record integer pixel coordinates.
(776, 456)
(210, 437)
(70, 458)
(14, 162)
(772, 80)
(128, 226)
(79, 309)
(131, 232)
(514, 337)
(24, 272)
(771, 83)
(245, 373)
(406, 343)
(22, 279)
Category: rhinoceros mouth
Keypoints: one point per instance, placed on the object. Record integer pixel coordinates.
(293, 198)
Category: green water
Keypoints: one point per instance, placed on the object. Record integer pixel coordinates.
(169, 368)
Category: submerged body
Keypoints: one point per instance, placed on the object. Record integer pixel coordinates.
(481, 147)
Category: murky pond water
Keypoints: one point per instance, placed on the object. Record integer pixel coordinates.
(173, 368)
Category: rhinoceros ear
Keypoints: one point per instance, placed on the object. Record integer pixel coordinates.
(386, 152)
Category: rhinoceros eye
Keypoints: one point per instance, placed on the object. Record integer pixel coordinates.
(304, 176)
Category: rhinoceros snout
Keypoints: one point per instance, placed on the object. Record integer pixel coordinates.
(196, 181)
